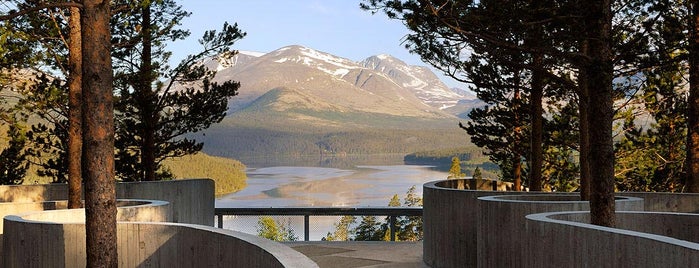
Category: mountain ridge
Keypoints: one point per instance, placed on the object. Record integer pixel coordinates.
(381, 84)
(299, 101)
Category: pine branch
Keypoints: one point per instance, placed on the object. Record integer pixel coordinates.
(13, 14)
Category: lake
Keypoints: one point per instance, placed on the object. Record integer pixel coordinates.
(351, 182)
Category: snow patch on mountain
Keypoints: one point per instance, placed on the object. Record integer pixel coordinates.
(251, 53)
(421, 80)
(229, 59)
(325, 62)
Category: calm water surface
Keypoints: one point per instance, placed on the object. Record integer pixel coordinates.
(363, 185)
(344, 182)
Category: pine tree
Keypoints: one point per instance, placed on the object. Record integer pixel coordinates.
(158, 104)
(692, 155)
(561, 167)
(446, 33)
(51, 46)
(651, 157)
(411, 226)
(13, 163)
(455, 170)
(477, 175)
(98, 137)
(498, 127)
(369, 229)
(385, 228)
(343, 229)
(268, 227)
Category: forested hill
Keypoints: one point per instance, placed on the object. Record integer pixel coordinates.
(228, 174)
(241, 136)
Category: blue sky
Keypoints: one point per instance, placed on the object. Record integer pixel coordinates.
(338, 27)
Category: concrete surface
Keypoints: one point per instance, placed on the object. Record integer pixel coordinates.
(450, 221)
(450, 216)
(31, 242)
(362, 254)
(191, 200)
(667, 202)
(502, 218)
(563, 239)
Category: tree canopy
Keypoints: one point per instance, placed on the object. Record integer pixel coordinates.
(601, 67)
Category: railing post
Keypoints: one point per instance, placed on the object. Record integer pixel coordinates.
(306, 227)
(220, 220)
(393, 227)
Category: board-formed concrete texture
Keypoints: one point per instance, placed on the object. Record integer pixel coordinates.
(32, 237)
(668, 202)
(501, 222)
(32, 243)
(640, 239)
(191, 200)
(450, 218)
(451, 213)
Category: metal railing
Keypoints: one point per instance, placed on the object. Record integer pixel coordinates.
(307, 212)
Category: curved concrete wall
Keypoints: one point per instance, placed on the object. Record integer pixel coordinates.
(49, 223)
(502, 221)
(641, 239)
(668, 202)
(451, 214)
(30, 243)
(450, 217)
(192, 201)
(127, 210)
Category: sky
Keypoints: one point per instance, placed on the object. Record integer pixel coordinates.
(338, 27)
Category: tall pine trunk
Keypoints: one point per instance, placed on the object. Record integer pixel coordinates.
(536, 154)
(74, 111)
(692, 177)
(98, 136)
(147, 101)
(599, 70)
(583, 103)
(537, 133)
(517, 140)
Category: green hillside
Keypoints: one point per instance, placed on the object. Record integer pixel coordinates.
(270, 126)
(228, 174)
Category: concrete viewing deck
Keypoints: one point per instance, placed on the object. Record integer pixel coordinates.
(362, 254)
(172, 226)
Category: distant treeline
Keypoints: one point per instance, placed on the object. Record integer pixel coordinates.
(245, 142)
(470, 157)
(443, 156)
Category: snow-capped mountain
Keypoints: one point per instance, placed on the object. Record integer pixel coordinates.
(231, 59)
(379, 84)
(421, 80)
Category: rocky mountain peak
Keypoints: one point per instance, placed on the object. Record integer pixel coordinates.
(378, 84)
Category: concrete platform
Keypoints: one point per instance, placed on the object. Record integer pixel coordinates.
(362, 254)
